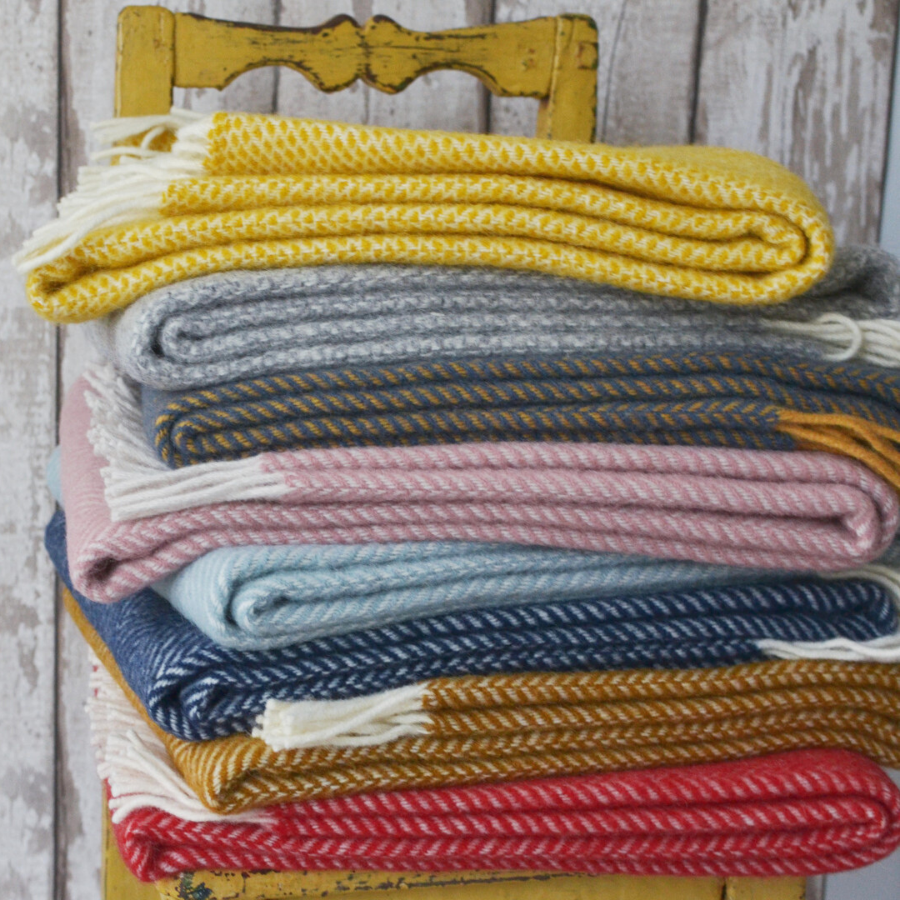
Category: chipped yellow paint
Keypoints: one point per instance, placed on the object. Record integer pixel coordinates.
(214, 885)
(219, 885)
(145, 61)
(553, 59)
(765, 889)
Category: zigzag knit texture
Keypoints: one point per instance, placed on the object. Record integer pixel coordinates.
(695, 222)
(799, 813)
(689, 821)
(246, 324)
(197, 690)
(807, 511)
(731, 400)
(497, 729)
(255, 598)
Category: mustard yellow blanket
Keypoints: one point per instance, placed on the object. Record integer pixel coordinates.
(502, 728)
(241, 191)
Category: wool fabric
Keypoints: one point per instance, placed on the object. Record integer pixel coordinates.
(256, 598)
(732, 400)
(246, 324)
(675, 821)
(813, 812)
(248, 191)
(807, 511)
(497, 729)
(197, 690)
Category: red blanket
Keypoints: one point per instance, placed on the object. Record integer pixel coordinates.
(798, 813)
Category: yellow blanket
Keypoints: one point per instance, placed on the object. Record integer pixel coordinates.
(254, 191)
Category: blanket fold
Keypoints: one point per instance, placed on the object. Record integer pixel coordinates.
(251, 191)
(501, 728)
(246, 324)
(197, 690)
(793, 511)
(730, 400)
(798, 813)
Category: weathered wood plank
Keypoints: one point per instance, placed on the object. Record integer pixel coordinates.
(88, 60)
(447, 100)
(815, 887)
(889, 229)
(807, 83)
(638, 101)
(28, 141)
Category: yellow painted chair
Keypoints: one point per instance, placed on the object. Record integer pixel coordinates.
(552, 59)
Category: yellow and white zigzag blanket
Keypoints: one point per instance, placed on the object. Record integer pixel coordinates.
(239, 191)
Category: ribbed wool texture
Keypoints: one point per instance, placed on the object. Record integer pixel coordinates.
(695, 222)
(801, 813)
(495, 729)
(197, 690)
(755, 509)
(732, 400)
(246, 324)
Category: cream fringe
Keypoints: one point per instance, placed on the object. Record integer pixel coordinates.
(884, 649)
(134, 762)
(380, 718)
(136, 482)
(114, 195)
(875, 341)
(361, 722)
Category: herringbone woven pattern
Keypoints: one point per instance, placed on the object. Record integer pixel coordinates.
(694, 222)
(797, 813)
(732, 400)
(789, 511)
(493, 729)
(196, 690)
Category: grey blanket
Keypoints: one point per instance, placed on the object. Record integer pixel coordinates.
(244, 324)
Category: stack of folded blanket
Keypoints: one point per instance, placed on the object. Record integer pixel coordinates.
(454, 502)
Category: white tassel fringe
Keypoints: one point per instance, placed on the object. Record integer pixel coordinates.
(875, 341)
(362, 722)
(114, 195)
(136, 482)
(884, 649)
(134, 762)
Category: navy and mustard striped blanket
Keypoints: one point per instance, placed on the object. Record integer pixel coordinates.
(709, 399)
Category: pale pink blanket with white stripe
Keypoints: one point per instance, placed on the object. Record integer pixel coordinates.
(771, 510)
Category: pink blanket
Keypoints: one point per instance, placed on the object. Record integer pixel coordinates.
(772, 510)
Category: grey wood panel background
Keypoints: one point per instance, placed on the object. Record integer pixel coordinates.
(806, 82)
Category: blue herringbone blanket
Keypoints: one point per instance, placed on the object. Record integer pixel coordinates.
(198, 690)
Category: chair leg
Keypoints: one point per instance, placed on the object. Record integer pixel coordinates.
(765, 889)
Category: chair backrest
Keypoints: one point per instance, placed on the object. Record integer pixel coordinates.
(553, 59)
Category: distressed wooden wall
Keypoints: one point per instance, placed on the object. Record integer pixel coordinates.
(804, 81)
